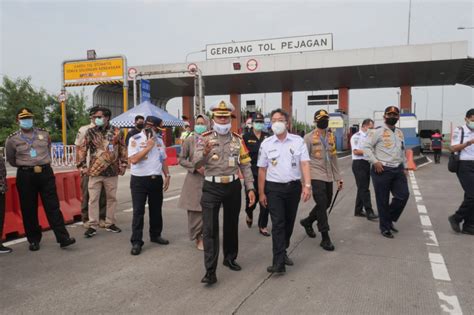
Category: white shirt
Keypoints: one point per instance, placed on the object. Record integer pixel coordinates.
(357, 142)
(152, 164)
(467, 154)
(282, 158)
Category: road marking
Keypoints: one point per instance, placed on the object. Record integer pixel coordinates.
(448, 301)
(18, 241)
(414, 186)
(164, 200)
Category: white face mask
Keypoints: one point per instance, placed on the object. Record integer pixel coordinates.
(278, 127)
(221, 129)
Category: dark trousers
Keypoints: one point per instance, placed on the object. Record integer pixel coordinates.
(391, 180)
(263, 216)
(29, 185)
(213, 196)
(85, 200)
(283, 201)
(2, 214)
(143, 188)
(466, 178)
(322, 195)
(437, 155)
(361, 170)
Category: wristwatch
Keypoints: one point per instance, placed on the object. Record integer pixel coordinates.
(307, 185)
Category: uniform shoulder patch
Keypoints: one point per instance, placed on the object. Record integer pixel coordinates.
(137, 136)
(378, 127)
(14, 134)
(207, 133)
(237, 135)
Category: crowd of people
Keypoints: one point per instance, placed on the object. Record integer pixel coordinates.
(279, 171)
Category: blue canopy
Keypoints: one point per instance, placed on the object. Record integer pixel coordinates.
(127, 119)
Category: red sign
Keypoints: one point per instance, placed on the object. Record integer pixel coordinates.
(252, 65)
(192, 68)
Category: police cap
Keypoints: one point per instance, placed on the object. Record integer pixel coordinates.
(392, 110)
(154, 120)
(258, 117)
(24, 113)
(321, 114)
(222, 108)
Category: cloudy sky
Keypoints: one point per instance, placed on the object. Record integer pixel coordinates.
(36, 36)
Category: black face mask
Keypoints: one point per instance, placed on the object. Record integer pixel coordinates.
(322, 124)
(140, 126)
(391, 121)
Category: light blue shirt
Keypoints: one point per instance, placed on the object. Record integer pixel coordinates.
(282, 158)
(152, 164)
(357, 143)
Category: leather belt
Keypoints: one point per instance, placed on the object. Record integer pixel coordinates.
(221, 179)
(394, 165)
(36, 169)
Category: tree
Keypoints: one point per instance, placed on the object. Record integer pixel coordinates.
(15, 94)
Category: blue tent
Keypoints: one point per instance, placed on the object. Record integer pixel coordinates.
(127, 119)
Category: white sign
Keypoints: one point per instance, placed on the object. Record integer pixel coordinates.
(270, 46)
(252, 65)
(132, 72)
(62, 97)
(192, 68)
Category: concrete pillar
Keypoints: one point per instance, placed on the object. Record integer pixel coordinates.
(235, 100)
(405, 99)
(287, 104)
(344, 99)
(188, 109)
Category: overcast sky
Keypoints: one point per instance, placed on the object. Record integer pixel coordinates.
(36, 36)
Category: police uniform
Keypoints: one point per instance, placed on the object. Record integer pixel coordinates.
(283, 189)
(361, 170)
(222, 186)
(465, 174)
(387, 146)
(30, 152)
(252, 142)
(147, 182)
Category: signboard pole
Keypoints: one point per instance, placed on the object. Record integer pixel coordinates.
(125, 90)
(63, 118)
(134, 91)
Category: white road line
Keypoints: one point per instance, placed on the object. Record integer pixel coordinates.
(425, 220)
(416, 192)
(421, 208)
(438, 267)
(453, 306)
(418, 198)
(432, 237)
(164, 200)
(414, 185)
(18, 241)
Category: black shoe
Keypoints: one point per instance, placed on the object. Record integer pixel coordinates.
(67, 242)
(159, 240)
(468, 229)
(371, 216)
(264, 233)
(288, 261)
(232, 264)
(209, 278)
(454, 224)
(90, 232)
(113, 228)
(387, 234)
(136, 249)
(249, 220)
(276, 269)
(360, 214)
(5, 250)
(393, 228)
(34, 246)
(326, 244)
(308, 229)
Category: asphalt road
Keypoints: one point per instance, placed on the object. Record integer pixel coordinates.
(425, 269)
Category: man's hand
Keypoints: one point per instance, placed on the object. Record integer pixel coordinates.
(251, 195)
(263, 199)
(306, 193)
(150, 143)
(207, 147)
(340, 184)
(378, 167)
(200, 170)
(166, 184)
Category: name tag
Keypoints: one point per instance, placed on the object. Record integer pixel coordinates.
(33, 153)
(231, 161)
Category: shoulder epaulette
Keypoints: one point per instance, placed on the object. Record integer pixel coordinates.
(378, 127)
(237, 135)
(138, 135)
(13, 134)
(207, 133)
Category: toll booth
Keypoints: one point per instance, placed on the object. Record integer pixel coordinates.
(408, 123)
(339, 124)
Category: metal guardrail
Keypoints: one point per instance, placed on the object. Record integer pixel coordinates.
(60, 155)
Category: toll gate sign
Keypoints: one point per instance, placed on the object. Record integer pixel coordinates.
(91, 72)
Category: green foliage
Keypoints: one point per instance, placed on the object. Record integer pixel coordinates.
(15, 94)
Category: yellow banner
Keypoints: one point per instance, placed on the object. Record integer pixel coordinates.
(93, 70)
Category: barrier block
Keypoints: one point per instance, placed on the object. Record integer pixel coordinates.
(172, 158)
(410, 161)
(13, 220)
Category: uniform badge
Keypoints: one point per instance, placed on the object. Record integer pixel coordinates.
(231, 161)
(133, 144)
(274, 162)
(40, 137)
(215, 157)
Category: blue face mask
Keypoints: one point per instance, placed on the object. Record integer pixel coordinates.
(199, 129)
(258, 126)
(26, 123)
(99, 122)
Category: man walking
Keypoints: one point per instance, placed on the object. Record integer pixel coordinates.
(282, 161)
(385, 149)
(361, 170)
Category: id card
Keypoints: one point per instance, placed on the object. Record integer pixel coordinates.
(33, 153)
(111, 147)
(231, 161)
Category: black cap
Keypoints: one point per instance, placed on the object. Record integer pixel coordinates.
(154, 120)
(24, 113)
(392, 109)
(469, 113)
(258, 117)
(321, 114)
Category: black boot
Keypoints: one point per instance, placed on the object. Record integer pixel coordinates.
(371, 215)
(326, 242)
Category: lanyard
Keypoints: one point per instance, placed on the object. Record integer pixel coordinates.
(28, 140)
(324, 141)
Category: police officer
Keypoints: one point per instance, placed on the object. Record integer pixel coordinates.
(222, 153)
(463, 140)
(321, 144)
(253, 139)
(29, 149)
(147, 155)
(283, 158)
(385, 149)
(361, 170)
